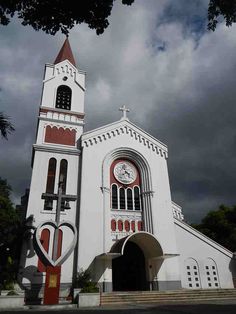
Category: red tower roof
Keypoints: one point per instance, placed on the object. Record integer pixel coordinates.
(65, 53)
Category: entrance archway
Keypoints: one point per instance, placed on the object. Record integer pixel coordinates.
(128, 270)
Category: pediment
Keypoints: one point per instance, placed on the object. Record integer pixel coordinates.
(120, 128)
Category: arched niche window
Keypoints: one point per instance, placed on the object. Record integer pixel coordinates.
(63, 174)
(114, 196)
(127, 225)
(63, 98)
(113, 225)
(120, 225)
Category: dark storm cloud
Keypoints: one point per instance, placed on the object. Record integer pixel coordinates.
(177, 79)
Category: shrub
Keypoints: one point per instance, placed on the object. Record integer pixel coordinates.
(84, 281)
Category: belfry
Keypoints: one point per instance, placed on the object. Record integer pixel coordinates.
(101, 200)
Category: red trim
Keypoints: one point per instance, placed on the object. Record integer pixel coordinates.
(60, 136)
(120, 225)
(140, 226)
(65, 53)
(127, 226)
(133, 225)
(113, 225)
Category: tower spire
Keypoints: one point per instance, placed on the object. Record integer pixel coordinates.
(65, 53)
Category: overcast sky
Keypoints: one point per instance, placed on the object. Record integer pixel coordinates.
(157, 57)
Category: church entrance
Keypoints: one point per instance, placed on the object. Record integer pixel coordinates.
(128, 270)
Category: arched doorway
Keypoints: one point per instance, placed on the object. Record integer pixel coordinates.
(137, 255)
(128, 270)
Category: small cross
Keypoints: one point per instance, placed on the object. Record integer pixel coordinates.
(125, 110)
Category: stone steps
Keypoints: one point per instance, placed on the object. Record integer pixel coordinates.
(166, 296)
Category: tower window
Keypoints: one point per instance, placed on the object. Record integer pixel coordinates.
(63, 174)
(63, 98)
(51, 175)
(48, 204)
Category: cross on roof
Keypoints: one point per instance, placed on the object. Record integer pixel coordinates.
(124, 110)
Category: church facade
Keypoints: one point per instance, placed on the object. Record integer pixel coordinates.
(129, 232)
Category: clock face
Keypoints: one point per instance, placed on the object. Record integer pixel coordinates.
(125, 172)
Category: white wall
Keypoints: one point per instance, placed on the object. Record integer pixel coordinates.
(94, 229)
(193, 244)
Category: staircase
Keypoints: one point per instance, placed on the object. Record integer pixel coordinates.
(177, 296)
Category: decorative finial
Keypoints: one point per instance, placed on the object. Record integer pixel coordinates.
(124, 110)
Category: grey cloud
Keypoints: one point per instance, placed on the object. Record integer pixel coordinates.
(183, 94)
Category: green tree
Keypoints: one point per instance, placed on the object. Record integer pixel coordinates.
(220, 225)
(225, 9)
(62, 15)
(59, 15)
(10, 236)
(5, 126)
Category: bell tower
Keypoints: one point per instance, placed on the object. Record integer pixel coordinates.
(61, 113)
(56, 157)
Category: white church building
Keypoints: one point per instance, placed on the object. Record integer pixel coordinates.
(130, 234)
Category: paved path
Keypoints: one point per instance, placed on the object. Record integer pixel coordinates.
(218, 307)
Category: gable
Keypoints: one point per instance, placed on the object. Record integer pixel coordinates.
(120, 128)
(202, 237)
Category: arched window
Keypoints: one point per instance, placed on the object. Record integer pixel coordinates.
(122, 198)
(114, 196)
(211, 274)
(133, 225)
(51, 175)
(63, 174)
(120, 225)
(129, 199)
(136, 198)
(63, 98)
(140, 226)
(48, 204)
(44, 239)
(127, 226)
(192, 279)
(113, 225)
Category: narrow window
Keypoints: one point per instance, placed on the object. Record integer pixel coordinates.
(129, 199)
(51, 175)
(48, 204)
(136, 199)
(114, 196)
(63, 98)
(63, 174)
(122, 198)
